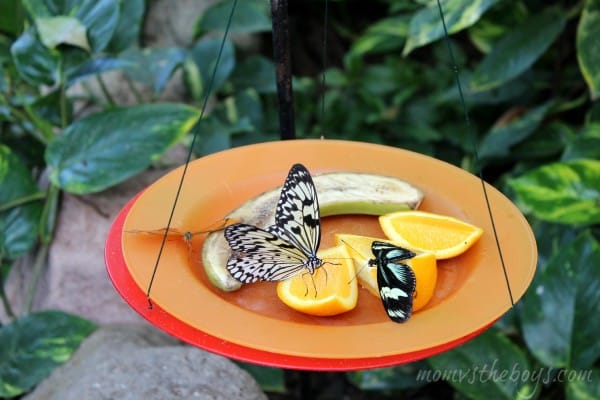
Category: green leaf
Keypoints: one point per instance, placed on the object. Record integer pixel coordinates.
(507, 93)
(583, 384)
(591, 129)
(35, 62)
(255, 72)
(11, 17)
(543, 144)
(108, 147)
(37, 9)
(426, 25)
(487, 367)
(557, 313)
(518, 49)
(385, 35)
(269, 379)
(379, 80)
(498, 142)
(240, 114)
(5, 268)
(34, 345)
(485, 33)
(588, 48)
(95, 67)
(250, 16)
(204, 57)
(389, 379)
(54, 31)
(5, 58)
(100, 17)
(585, 145)
(18, 224)
(496, 23)
(214, 135)
(153, 67)
(128, 28)
(47, 108)
(551, 239)
(582, 147)
(245, 106)
(566, 192)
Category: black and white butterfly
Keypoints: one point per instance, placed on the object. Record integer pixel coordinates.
(395, 279)
(286, 248)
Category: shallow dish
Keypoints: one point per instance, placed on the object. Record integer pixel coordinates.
(252, 324)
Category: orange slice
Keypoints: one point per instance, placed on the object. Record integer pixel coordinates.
(336, 291)
(421, 231)
(424, 266)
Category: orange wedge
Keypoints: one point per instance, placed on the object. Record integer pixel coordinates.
(424, 266)
(421, 231)
(336, 291)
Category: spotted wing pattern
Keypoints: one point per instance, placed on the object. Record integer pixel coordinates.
(395, 279)
(260, 255)
(297, 214)
(285, 248)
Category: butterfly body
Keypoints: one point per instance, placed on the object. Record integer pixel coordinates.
(395, 279)
(286, 248)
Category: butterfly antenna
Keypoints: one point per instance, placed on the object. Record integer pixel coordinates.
(224, 223)
(362, 267)
(333, 263)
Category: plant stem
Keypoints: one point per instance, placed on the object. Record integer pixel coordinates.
(27, 115)
(22, 200)
(38, 267)
(48, 217)
(63, 106)
(105, 91)
(136, 93)
(46, 232)
(5, 303)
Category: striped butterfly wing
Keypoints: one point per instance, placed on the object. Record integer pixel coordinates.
(297, 217)
(260, 255)
(396, 280)
(390, 251)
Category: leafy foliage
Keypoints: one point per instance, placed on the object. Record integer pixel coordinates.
(483, 367)
(34, 345)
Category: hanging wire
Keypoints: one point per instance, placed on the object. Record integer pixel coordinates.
(475, 151)
(194, 132)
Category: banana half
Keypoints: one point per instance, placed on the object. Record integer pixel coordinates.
(339, 193)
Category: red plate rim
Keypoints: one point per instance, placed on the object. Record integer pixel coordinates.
(136, 298)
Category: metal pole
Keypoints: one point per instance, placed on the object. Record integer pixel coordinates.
(283, 68)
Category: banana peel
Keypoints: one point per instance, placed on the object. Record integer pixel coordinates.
(339, 193)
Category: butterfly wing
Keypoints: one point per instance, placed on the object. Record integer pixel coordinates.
(396, 281)
(260, 255)
(390, 252)
(297, 216)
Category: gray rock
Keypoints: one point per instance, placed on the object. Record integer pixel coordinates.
(128, 362)
(75, 279)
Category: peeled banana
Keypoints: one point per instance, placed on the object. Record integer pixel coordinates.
(338, 193)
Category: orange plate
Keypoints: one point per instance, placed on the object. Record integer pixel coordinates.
(471, 292)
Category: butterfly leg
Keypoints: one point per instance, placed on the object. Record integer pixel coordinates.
(306, 285)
